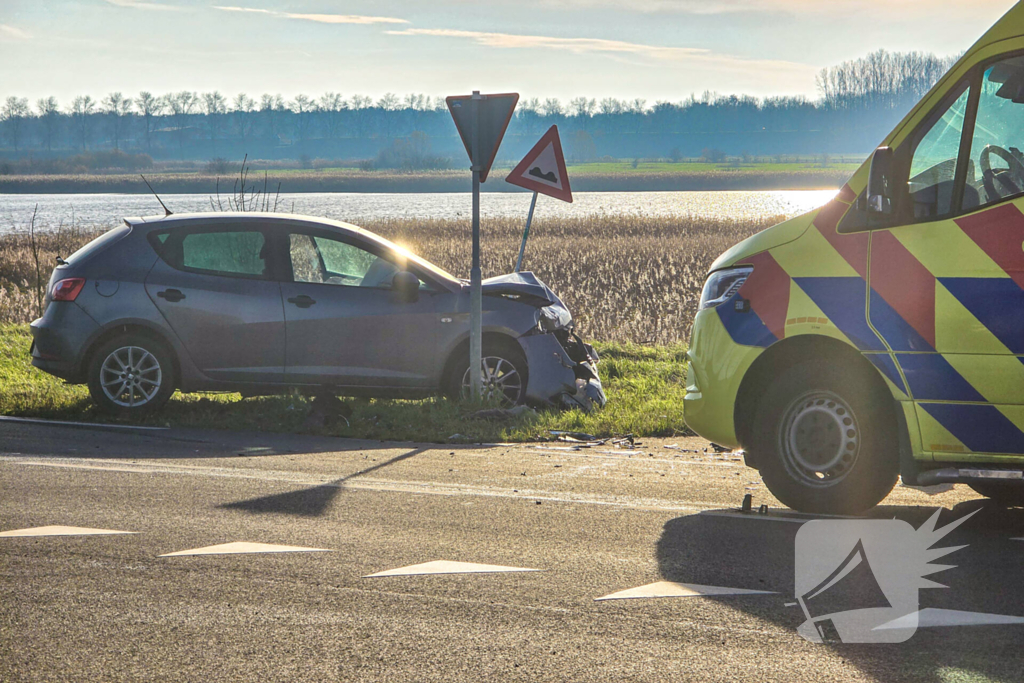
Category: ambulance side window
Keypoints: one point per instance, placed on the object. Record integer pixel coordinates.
(933, 170)
(996, 171)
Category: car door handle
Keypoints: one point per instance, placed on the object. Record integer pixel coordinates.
(172, 295)
(302, 301)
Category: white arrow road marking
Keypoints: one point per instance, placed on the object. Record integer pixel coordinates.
(61, 531)
(669, 589)
(445, 567)
(241, 547)
(932, 617)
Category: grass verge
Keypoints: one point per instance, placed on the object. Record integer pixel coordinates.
(645, 387)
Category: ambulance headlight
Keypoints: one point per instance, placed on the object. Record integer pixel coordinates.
(722, 285)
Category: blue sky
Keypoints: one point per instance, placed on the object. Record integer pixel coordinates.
(656, 50)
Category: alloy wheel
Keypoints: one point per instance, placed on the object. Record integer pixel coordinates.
(500, 381)
(131, 376)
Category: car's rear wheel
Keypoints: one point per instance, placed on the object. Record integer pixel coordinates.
(503, 376)
(131, 375)
(1007, 495)
(825, 439)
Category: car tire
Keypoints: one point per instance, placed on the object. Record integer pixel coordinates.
(131, 375)
(825, 439)
(1005, 495)
(505, 375)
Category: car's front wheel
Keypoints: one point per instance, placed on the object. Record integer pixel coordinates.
(131, 375)
(825, 439)
(503, 375)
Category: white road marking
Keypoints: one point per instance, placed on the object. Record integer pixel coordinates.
(610, 455)
(931, 617)
(137, 470)
(386, 485)
(241, 547)
(34, 420)
(446, 567)
(669, 589)
(61, 531)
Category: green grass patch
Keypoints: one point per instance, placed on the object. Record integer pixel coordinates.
(645, 387)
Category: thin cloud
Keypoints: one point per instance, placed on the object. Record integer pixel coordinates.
(318, 18)
(10, 33)
(888, 8)
(608, 47)
(136, 4)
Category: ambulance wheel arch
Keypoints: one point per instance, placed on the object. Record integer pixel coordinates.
(845, 388)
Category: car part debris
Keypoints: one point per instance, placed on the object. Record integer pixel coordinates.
(572, 436)
(676, 447)
(748, 501)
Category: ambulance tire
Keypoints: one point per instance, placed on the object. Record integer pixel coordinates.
(1005, 495)
(825, 439)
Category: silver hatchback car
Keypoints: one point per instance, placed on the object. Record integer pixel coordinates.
(261, 303)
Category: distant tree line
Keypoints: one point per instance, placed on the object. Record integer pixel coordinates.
(859, 102)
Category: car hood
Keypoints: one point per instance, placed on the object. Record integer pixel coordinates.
(772, 237)
(526, 286)
(527, 289)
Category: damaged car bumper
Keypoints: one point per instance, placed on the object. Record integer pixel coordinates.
(563, 372)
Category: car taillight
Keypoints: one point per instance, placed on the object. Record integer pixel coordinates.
(68, 289)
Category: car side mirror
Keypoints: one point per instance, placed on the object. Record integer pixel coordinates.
(406, 286)
(879, 194)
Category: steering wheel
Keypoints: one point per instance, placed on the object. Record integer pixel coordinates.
(1015, 181)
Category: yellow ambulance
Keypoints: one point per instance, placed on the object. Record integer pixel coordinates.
(883, 334)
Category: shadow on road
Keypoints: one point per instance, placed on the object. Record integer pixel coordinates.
(757, 552)
(311, 502)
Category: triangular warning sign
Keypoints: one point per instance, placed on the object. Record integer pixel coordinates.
(543, 169)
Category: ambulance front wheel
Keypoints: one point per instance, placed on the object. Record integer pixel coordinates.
(825, 439)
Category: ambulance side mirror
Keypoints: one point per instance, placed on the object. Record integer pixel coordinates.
(879, 194)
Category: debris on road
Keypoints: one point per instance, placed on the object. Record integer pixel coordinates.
(677, 447)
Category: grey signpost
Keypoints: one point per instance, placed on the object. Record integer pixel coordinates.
(481, 121)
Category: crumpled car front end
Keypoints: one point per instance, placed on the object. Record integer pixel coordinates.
(562, 367)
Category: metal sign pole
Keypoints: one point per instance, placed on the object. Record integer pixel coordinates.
(526, 234)
(475, 279)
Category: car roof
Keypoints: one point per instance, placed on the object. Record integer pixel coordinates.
(284, 221)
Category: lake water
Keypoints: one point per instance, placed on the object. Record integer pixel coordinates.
(106, 210)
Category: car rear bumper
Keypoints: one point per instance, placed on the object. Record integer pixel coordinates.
(59, 340)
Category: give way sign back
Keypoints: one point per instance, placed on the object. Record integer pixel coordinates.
(543, 169)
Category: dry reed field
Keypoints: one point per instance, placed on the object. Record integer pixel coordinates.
(626, 278)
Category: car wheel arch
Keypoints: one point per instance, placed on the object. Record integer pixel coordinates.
(788, 353)
(489, 339)
(127, 328)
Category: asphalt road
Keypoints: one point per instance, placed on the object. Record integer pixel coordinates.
(595, 521)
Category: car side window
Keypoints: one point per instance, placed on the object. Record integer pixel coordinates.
(327, 261)
(997, 163)
(232, 253)
(933, 170)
